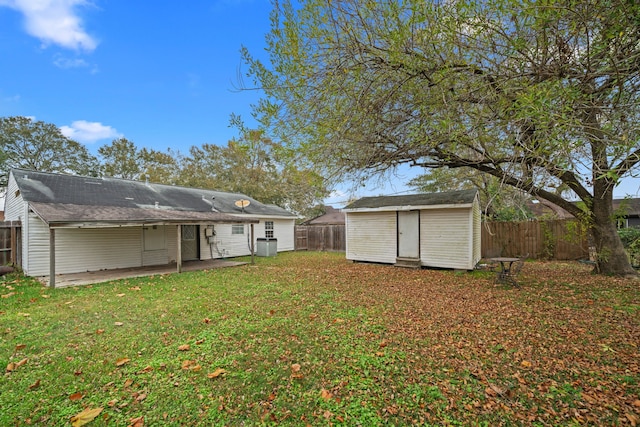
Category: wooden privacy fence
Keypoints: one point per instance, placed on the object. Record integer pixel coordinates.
(10, 239)
(321, 238)
(557, 239)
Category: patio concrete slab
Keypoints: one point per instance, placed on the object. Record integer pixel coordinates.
(91, 277)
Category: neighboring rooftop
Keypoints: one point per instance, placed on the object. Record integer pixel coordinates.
(331, 216)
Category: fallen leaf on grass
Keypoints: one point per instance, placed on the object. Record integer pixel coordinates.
(191, 365)
(85, 417)
(10, 294)
(200, 341)
(295, 367)
(636, 403)
(20, 347)
(216, 373)
(325, 394)
(184, 347)
(99, 331)
(12, 366)
(135, 288)
(136, 422)
(75, 396)
(128, 382)
(34, 385)
(118, 323)
(45, 296)
(141, 397)
(148, 368)
(525, 364)
(122, 361)
(206, 320)
(632, 419)
(120, 295)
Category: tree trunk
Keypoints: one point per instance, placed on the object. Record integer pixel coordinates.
(612, 258)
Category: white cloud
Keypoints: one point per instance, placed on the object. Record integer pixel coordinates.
(67, 63)
(89, 132)
(62, 62)
(54, 22)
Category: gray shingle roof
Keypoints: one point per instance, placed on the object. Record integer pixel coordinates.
(48, 188)
(423, 199)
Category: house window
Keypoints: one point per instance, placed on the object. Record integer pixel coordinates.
(268, 229)
(237, 229)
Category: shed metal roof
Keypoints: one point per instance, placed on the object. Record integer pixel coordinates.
(461, 197)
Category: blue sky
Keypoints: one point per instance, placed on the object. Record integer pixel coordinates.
(161, 74)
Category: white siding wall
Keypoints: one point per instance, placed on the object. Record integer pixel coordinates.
(157, 256)
(13, 205)
(445, 238)
(87, 249)
(172, 243)
(36, 245)
(371, 236)
(225, 244)
(15, 209)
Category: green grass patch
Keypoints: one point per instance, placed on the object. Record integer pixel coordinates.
(309, 338)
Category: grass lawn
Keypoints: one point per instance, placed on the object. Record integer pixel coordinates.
(311, 339)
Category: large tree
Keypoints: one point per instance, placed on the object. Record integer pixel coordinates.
(539, 94)
(34, 144)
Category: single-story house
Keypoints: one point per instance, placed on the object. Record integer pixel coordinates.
(74, 224)
(439, 230)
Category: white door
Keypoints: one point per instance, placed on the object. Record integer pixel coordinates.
(409, 234)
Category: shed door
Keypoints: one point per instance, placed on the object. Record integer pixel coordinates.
(409, 234)
(189, 242)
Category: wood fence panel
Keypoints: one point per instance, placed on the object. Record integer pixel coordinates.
(10, 243)
(558, 239)
(302, 237)
(321, 238)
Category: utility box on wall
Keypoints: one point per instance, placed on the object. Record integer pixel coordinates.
(267, 247)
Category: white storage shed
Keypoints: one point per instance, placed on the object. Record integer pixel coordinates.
(439, 230)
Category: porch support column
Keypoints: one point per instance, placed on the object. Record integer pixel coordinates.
(52, 257)
(179, 246)
(252, 246)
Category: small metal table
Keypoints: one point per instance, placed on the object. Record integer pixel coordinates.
(506, 273)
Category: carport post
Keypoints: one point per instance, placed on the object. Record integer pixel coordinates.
(179, 254)
(52, 257)
(252, 246)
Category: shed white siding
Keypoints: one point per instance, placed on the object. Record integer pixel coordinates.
(371, 236)
(445, 238)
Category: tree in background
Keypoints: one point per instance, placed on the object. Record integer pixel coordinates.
(538, 94)
(498, 202)
(120, 159)
(36, 145)
(258, 167)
